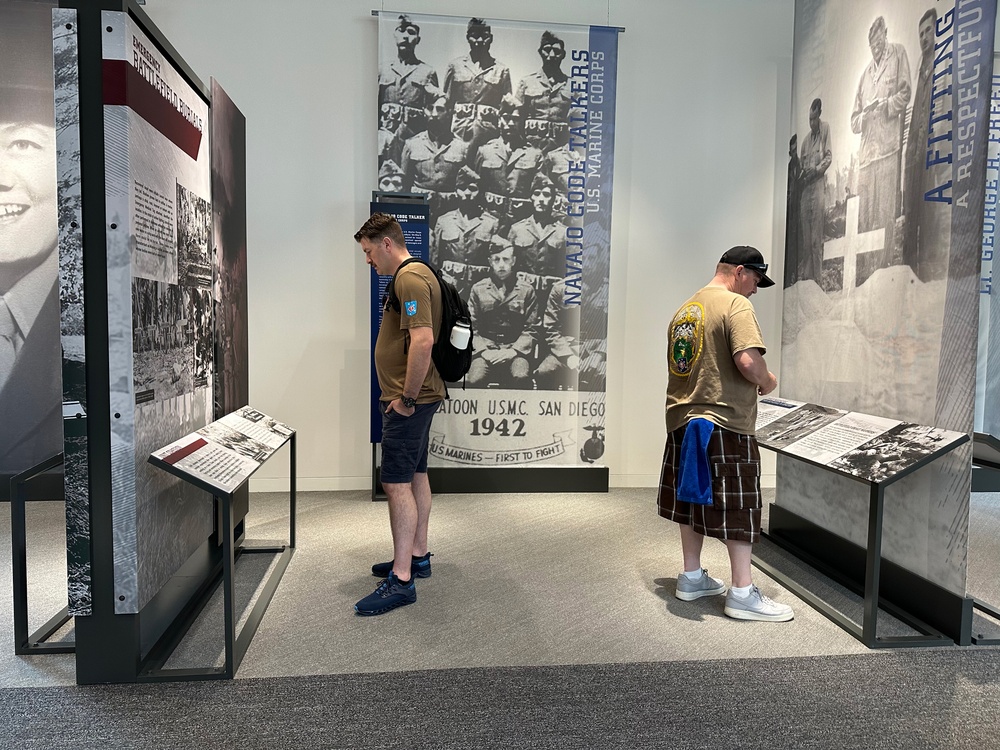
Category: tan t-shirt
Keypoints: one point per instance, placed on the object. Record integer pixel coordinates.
(702, 338)
(419, 306)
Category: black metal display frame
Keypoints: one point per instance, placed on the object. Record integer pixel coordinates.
(34, 643)
(867, 631)
(985, 478)
(237, 644)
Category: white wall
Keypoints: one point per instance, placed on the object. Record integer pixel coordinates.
(703, 124)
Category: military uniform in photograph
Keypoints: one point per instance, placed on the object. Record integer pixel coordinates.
(504, 312)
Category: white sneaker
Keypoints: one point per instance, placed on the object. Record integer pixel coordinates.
(756, 606)
(688, 590)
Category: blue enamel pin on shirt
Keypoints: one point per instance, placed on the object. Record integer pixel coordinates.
(411, 308)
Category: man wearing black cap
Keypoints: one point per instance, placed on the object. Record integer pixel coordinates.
(710, 484)
(30, 397)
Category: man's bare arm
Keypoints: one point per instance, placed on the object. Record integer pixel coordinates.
(418, 360)
(752, 366)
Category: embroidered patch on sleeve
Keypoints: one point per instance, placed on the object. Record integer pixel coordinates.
(687, 331)
(411, 308)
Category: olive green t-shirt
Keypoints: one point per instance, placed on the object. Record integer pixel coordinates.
(704, 381)
(419, 306)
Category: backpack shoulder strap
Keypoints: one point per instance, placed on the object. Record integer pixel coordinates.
(390, 292)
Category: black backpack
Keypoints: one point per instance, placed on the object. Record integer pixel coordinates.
(451, 363)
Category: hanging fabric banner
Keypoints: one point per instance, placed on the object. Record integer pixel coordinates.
(508, 128)
(891, 108)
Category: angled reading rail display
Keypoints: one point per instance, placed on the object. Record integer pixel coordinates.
(874, 451)
(220, 458)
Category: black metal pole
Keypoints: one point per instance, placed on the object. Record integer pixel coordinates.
(873, 565)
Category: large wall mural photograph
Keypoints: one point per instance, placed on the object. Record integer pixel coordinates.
(884, 229)
(508, 129)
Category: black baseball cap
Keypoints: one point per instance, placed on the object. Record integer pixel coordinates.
(748, 257)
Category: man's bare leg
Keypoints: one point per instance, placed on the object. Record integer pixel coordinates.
(421, 488)
(691, 544)
(739, 561)
(403, 523)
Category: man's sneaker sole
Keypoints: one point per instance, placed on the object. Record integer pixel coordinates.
(389, 595)
(746, 614)
(383, 610)
(690, 596)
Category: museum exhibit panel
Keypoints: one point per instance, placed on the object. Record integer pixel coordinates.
(881, 299)
(153, 307)
(507, 128)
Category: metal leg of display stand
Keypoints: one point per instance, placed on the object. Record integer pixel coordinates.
(867, 632)
(993, 612)
(238, 644)
(34, 643)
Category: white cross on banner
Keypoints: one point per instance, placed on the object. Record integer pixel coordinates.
(852, 244)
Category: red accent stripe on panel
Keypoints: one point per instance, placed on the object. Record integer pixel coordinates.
(124, 85)
(184, 452)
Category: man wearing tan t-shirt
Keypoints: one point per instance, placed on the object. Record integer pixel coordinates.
(710, 485)
(411, 389)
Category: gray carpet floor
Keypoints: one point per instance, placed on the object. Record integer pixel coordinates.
(916, 699)
(549, 621)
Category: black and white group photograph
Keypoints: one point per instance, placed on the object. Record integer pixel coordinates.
(880, 221)
(893, 451)
(476, 115)
(194, 231)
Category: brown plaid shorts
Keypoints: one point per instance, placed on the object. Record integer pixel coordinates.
(736, 502)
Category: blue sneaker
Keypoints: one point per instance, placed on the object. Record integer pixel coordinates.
(420, 567)
(391, 593)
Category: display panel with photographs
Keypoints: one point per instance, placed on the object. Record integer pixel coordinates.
(886, 168)
(160, 311)
(872, 448)
(222, 455)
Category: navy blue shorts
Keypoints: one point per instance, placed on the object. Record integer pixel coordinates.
(404, 443)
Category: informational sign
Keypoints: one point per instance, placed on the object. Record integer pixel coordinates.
(872, 448)
(508, 128)
(222, 455)
(160, 302)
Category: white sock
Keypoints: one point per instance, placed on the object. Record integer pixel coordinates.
(693, 575)
(741, 591)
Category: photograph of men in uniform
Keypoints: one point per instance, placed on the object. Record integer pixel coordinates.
(30, 383)
(476, 85)
(403, 83)
(544, 96)
(507, 165)
(504, 313)
(432, 158)
(461, 237)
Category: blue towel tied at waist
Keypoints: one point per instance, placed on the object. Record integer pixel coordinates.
(694, 481)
